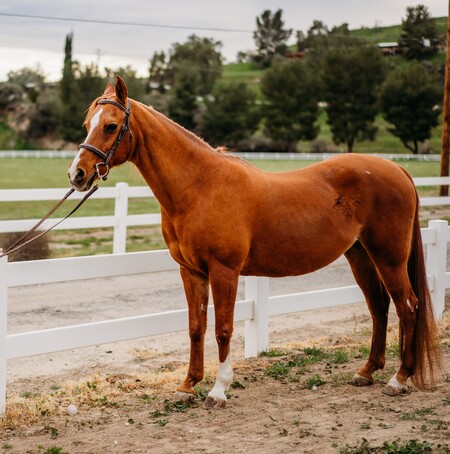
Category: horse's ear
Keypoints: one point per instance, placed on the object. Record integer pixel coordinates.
(109, 89)
(121, 90)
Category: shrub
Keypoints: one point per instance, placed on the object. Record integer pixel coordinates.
(36, 250)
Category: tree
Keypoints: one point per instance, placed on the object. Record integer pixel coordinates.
(202, 55)
(419, 38)
(158, 73)
(73, 107)
(45, 115)
(10, 93)
(319, 39)
(290, 110)
(409, 100)
(351, 78)
(230, 114)
(270, 36)
(183, 97)
(30, 79)
(136, 86)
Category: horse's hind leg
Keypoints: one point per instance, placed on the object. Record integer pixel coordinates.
(196, 288)
(377, 300)
(396, 279)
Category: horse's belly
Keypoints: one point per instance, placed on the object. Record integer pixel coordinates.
(278, 259)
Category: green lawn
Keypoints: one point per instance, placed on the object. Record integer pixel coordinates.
(384, 141)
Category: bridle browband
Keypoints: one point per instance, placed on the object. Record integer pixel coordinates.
(122, 132)
(24, 239)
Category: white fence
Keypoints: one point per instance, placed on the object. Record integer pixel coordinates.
(65, 154)
(120, 220)
(255, 309)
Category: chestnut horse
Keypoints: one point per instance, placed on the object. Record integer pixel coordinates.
(222, 218)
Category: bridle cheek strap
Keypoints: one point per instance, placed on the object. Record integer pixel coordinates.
(102, 168)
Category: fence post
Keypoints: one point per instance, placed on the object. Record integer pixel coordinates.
(120, 212)
(437, 265)
(257, 330)
(3, 331)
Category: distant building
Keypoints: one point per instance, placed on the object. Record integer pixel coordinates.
(389, 48)
(294, 54)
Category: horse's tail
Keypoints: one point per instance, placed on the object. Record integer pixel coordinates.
(427, 355)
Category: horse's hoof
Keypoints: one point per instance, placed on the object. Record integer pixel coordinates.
(183, 397)
(359, 380)
(212, 402)
(394, 391)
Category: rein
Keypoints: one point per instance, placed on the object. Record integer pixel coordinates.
(25, 239)
(108, 155)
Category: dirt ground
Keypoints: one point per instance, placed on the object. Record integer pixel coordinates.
(277, 404)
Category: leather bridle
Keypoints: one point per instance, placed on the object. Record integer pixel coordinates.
(102, 168)
(25, 238)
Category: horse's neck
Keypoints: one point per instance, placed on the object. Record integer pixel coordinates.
(172, 160)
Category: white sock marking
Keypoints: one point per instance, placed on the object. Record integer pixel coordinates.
(223, 380)
(395, 383)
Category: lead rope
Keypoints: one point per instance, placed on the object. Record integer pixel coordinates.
(23, 241)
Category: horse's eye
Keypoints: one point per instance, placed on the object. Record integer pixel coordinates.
(111, 127)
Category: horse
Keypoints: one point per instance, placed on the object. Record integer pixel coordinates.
(222, 218)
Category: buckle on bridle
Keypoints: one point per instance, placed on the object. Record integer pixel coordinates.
(101, 175)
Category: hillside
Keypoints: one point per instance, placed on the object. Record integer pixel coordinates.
(390, 33)
(251, 73)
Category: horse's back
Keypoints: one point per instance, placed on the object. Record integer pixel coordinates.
(309, 217)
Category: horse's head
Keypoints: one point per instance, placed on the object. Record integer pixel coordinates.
(109, 140)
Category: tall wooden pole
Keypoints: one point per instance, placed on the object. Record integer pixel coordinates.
(445, 153)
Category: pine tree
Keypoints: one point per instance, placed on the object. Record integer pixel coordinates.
(419, 38)
(72, 108)
(270, 36)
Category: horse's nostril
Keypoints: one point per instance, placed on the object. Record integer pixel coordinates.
(80, 175)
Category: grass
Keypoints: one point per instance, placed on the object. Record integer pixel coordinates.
(247, 73)
(293, 367)
(391, 33)
(393, 447)
(384, 142)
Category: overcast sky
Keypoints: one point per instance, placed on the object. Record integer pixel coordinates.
(27, 41)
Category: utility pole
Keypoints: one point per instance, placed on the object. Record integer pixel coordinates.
(446, 113)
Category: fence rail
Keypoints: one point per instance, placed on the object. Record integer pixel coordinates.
(67, 154)
(121, 220)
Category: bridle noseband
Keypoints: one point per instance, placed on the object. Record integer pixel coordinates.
(25, 238)
(107, 156)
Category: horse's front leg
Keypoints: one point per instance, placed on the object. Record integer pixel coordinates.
(197, 292)
(224, 284)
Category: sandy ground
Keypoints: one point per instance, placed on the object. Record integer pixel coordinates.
(264, 414)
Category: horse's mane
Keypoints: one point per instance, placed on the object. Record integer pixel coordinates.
(222, 150)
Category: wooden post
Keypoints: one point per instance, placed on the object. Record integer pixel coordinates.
(446, 114)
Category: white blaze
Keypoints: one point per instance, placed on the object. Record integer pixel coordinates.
(95, 120)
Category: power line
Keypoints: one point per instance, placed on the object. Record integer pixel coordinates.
(133, 24)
